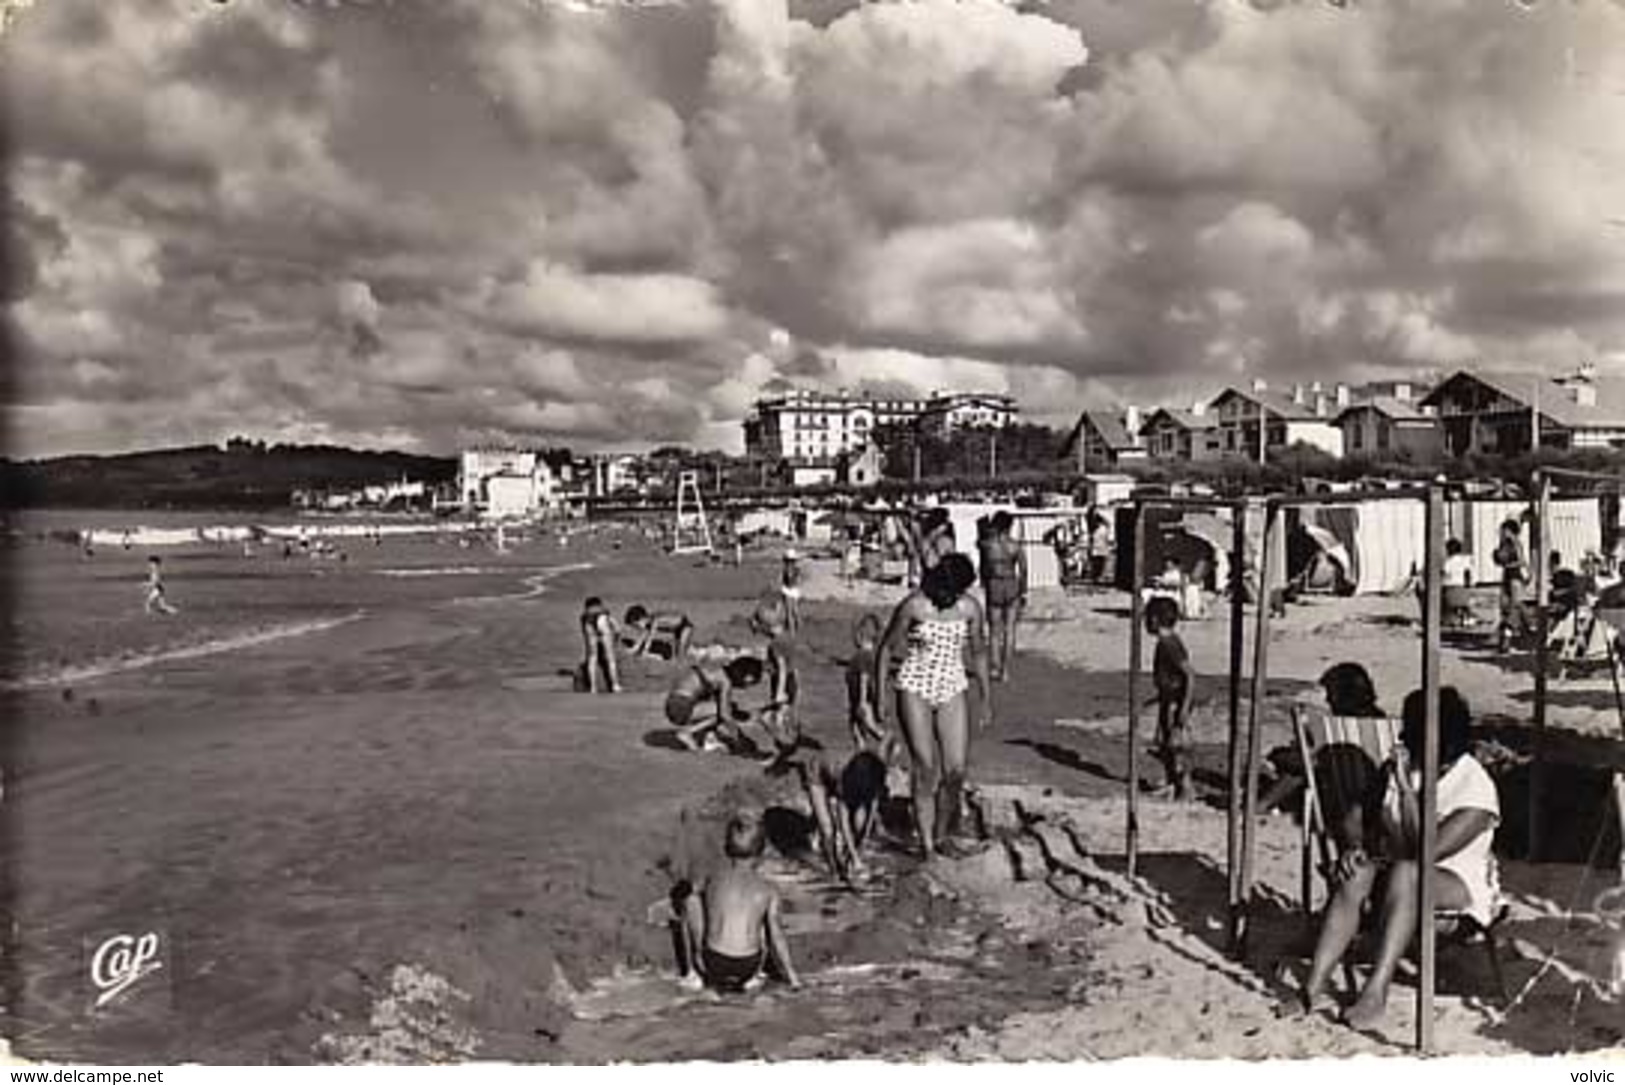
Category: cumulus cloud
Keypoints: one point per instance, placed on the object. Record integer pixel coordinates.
(646, 215)
(551, 299)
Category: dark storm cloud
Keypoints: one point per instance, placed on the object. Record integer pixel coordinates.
(610, 223)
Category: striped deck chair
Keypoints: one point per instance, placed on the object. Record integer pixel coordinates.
(1343, 758)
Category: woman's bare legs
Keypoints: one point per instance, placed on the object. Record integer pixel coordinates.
(919, 730)
(998, 619)
(1338, 926)
(953, 739)
(1398, 926)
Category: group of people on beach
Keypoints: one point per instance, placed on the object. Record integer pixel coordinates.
(925, 661)
(933, 663)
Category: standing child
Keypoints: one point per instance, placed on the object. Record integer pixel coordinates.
(862, 698)
(1514, 575)
(731, 926)
(598, 636)
(778, 716)
(790, 588)
(157, 602)
(1175, 681)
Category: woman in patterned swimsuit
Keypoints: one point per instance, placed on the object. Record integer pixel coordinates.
(937, 623)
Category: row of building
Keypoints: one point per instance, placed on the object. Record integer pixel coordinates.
(816, 438)
(1468, 413)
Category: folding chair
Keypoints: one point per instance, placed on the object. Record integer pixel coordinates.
(1343, 758)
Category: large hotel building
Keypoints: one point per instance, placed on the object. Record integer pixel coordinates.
(818, 427)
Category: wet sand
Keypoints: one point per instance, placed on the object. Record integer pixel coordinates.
(404, 838)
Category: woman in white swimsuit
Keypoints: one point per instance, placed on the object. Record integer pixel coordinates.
(937, 623)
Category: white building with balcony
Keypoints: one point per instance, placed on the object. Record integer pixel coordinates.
(820, 427)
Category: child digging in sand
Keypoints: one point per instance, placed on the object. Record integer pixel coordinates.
(845, 800)
(646, 631)
(1175, 681)
(598, 635)
(707, 684)
(732, 924)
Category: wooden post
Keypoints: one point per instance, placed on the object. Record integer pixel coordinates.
(1255, 720)
(1137, 619)
(1432, 580)
(1538, 534)
(1238, 639)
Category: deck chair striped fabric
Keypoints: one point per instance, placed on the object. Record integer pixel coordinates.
(1343, 758)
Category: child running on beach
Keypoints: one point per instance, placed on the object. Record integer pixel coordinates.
(778, 716)
(706, 684)
(667, 627)
(157, 602)
(731, 927)
(1175, 682)
(598, 636)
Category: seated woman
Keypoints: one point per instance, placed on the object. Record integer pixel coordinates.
(646, 630)
(1464, 878)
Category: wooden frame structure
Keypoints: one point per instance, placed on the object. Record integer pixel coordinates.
(1244, 757)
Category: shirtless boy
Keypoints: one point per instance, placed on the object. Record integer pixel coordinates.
(706, 685)
(733, 921)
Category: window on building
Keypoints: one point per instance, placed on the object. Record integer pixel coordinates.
(1383, 437)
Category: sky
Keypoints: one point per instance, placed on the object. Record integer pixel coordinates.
(422, 225)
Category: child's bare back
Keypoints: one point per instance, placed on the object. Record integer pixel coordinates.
(736, 905)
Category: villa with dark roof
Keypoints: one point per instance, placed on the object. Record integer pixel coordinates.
(1280, 419)
(1169, 433)
(1500, 413)
(1105, 439)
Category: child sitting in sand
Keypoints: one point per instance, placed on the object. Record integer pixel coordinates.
(778, 716)
(862, 699)
(732, 925)
(707, 684)
(667, 627)
(1175, 682)
(598, 636)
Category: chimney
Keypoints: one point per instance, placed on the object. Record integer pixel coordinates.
(1585, 393)
(1297, 394)
(1320, 404)
(1260, 384)
(1199, 408)
(1402, 391)
(1131, 422)
(1316, 387)
(1342, 395)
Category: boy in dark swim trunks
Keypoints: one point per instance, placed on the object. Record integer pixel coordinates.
(646, 629)
(708, 684)
(1175, 682)
(733, 921)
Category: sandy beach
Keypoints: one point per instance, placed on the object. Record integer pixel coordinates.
(402, 837)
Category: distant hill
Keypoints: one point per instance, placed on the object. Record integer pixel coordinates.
(243, 475)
